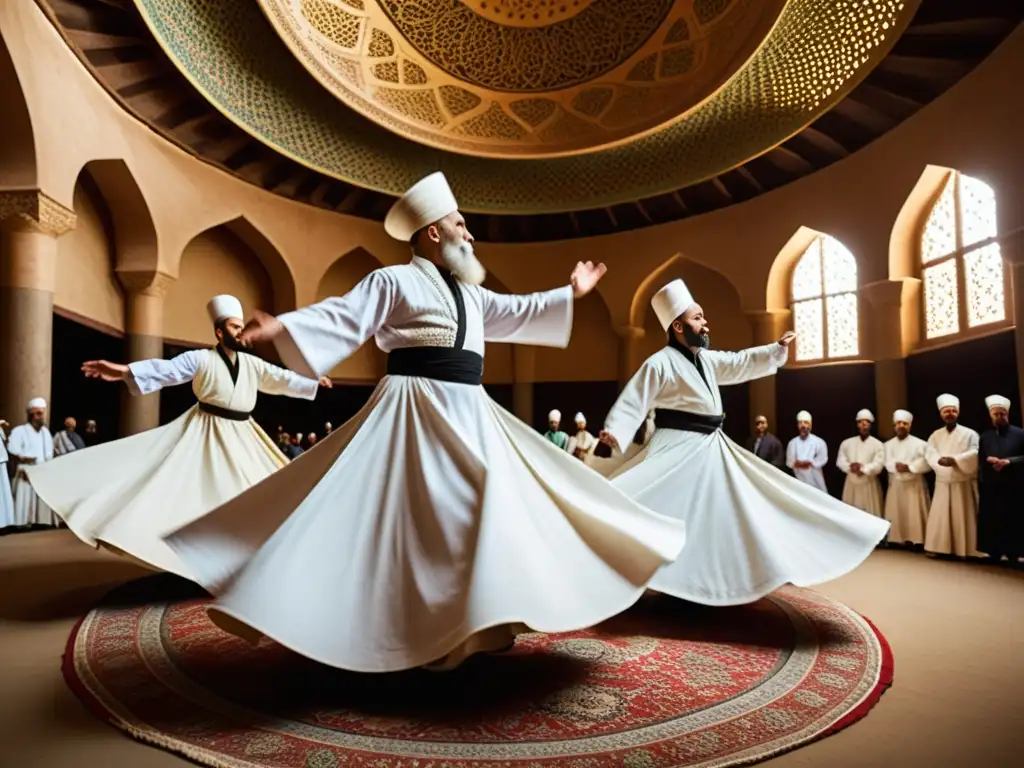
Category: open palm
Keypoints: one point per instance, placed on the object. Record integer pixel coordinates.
(102, 369)
(585, 276)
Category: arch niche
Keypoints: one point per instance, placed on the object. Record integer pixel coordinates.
(592, 354)
(368, 364)
(17, 139)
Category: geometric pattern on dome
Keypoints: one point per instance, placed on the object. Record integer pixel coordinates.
(234, 59)
(525, 60)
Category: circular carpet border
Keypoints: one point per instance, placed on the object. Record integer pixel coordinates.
(886, 675)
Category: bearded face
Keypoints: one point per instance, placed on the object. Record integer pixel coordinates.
(949, 415)
(804, 428)
(902, 429)
(1000, 417)
(457, 250)
(229, 334)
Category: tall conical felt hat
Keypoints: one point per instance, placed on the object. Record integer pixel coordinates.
(670, 302)
(222, 306)
(426, 201)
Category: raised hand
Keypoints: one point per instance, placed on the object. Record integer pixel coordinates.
(102, 369)
(585, 276)
(261, 327)
(787, 338)
(326, 383)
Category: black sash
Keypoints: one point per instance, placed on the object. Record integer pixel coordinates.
(224, 413)
(459, 366)
(687, 422)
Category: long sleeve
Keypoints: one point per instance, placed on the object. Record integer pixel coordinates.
(889, 457)
(877, 463)
(147, 376)
(932, 456)
(967, 461)
(320, 336)
(543, 319)
(820, 458)
(753, 363)
(791, 454)
(635, 402)
(842, 460)
(17, 445)
(278, 381)
(919, 462)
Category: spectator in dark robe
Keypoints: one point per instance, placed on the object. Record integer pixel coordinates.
(1001, 485)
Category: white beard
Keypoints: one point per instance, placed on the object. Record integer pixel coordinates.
(463, 263)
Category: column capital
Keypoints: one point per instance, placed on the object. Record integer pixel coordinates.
(33, 210)
(148, 282)
(630, 332)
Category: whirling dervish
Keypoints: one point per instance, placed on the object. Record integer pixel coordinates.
(433, 524)
(127, 494)
(751, 528)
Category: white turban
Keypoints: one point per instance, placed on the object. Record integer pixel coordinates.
(945, 401)
(224, 306)
(671, 301)
(555, 415)
(581, 419)
(864, 414)
(37, 402)
(902, 415)
(426, 201)
(804, 416)
(997, 401)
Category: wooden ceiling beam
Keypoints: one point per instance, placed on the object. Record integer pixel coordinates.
(643, 211)
(611, 217)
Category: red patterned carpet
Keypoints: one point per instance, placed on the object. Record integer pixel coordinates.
(667, 684)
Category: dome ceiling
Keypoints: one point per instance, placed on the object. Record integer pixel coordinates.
(522, 78)
(217, 80)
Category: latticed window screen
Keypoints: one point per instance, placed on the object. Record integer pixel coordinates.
(961, 265)
(824, 296)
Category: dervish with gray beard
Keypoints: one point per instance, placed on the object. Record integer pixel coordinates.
(751, 528)
(434, 524)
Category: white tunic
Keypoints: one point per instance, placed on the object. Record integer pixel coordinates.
(433, 514)
(6, 499)
(812, 449)
(128, 493)
(862, 491)
(953, 519)
(29, 508)
(907, 500)
(584, 442)
(750, 527)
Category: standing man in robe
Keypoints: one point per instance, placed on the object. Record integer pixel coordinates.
(90, 435)
(68, 440)
(554, 434)
(1001, 485)
(31, 445)
(126, 494)
(807, 453)
(433, 524)
(907, 502)
(862, 459)
(765, 445)
(582, 444)
(6, 499)
(953, 454)
(751, 528)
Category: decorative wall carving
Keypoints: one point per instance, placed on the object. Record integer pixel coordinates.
(36, 210)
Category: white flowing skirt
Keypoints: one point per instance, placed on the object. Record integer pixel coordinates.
(429, 517)
(129, 493)
(751, 528)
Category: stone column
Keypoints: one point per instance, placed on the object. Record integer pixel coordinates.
(144, 339)
(1012, 248)
(629, 351)
(889, 332)
(524, 362)
(767, 326)
(30, 223)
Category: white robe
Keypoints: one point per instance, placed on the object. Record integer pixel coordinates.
(29, 506)
(433, 514)
(862, 491)
(907, 500)
(751, 528)
(584, 442)
(953, 518)
(6, 499)
(812, 449)
(128, 493)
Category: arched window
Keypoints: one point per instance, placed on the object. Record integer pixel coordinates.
(824, 299)
(961, 264)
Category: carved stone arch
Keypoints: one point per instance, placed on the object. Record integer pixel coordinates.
(777, 291)
(281, 277)
(18, 161)
(905, 238)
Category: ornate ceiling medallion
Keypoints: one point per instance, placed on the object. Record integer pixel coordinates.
(522, 78)
(817, 52)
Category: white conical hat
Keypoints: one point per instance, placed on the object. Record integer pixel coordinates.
(223, 306)
(37, 402)
(671, 301)
(580, 417)
(902, 415)
(804, 416)
(997, 401)
(865, 415)
(555, 415)
(426, 201)
(945, 401)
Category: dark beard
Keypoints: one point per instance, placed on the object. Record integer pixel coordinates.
(230, 342)
(702, 340)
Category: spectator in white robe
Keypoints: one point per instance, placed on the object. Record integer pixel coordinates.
(952, 453)
(6, 499)
(862, 459)
(31, 445)
(68, 440)
(126, 494)
(433, 524)
(907, 500)
(582, 444)
(807, 453)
